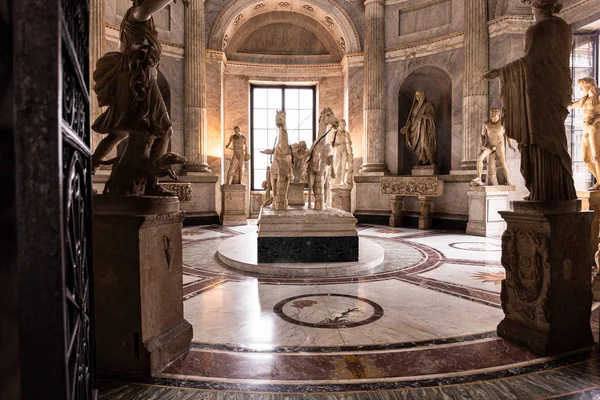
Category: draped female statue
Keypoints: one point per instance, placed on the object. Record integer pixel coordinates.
(420, 129)
(535, 91)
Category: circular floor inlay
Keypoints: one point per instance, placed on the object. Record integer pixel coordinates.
(476, 246)
(328, 310)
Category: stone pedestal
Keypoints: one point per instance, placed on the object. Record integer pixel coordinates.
(425, 215)
(256, 200)
(484, 204)
(546, 296)
(300, 234)
(341, 197)
(396, 204)
(138, 289)
(590, 200)
(233, 209)
(296, 194)
(425, 170)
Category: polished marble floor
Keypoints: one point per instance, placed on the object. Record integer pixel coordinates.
(419, 325)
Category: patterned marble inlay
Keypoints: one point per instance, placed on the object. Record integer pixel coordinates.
(475, 246)
(328, 311)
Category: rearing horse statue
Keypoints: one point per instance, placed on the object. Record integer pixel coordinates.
(320, 159)
(281, 167)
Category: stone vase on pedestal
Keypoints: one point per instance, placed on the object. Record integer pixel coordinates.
(233, 209)
(484, 204)
(546, 296)
(341, 197)
(137, 284)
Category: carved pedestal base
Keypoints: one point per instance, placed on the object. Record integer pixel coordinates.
(296, 194)
(484, 204)
(341, 197)
(396, 204)
(425, 170)
(256, 200)
(546, 296)
(233, 208)
(138, 289)
(591, 201)
(425, 216)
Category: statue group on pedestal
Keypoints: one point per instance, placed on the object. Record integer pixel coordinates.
(125, 83)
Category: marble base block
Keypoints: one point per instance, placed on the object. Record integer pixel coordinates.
(233, 208)
(484, 204)
(296, 194)
(425, 170)
(301, 234)
(590, 200)
(137, 284)
(547, 296)
(256, 200)
(396, 204)
(341, 197)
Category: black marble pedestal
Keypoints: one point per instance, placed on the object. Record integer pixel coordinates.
(307, 249)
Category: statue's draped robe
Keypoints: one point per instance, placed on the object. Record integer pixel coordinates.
(421, 135)
(535, 92)
(125, 82)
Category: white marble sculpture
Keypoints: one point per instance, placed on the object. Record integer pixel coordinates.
(341, 144)
(281, 167)
(420, 130)
(535, 91)
(590, 141)
(320, 159)
(300, 153)
(239, 145)
(492, 149)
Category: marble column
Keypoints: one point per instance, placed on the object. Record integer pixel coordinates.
(374, 88)
(97, 50)
(195, 89)
(475, 90)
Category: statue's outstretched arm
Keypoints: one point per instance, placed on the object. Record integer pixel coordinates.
(144, 11)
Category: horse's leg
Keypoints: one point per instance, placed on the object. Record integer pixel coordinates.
(311, 177)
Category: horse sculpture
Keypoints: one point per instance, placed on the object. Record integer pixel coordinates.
(320, 159)
(281, 167)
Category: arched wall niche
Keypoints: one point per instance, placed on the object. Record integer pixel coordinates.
(327, 13)
(438, 90)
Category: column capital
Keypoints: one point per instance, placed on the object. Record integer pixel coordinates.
(367, 2)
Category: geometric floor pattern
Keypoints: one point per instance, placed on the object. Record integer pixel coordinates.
(420, 325)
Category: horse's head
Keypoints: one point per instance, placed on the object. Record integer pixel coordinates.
(327, 117)
(280, 118)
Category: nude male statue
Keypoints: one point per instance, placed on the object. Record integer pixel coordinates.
(492, 146)
(590, 143)
(237, 143)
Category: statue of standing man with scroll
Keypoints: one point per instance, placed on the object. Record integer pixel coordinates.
(420, 130)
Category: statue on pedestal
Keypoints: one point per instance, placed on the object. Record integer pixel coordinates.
(240, 156)
(590, 143)
(125, 83)
(281, 167)
(536, 91)
(492, 147)
(342, 154)
(320, 159)
(300, 154)
(420, 129)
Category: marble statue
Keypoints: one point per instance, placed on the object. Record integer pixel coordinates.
(535, 91)
(590, 143)
(125, 83)
(342, 154)
(420, 129)
(281, 167)
(492, 148)
(300, 154)
(321, 159)
(239, 144)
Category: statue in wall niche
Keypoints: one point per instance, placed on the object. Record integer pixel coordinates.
(492, 149)
(590, 143)
(321, 160)
(300, 155)
(342, 154)
(125, 83)
(237, 143)
(420, 129)
(536, 91)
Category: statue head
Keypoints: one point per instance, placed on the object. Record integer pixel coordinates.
(302, 146)
(280, 118)
(544, 7)
(236, 129)
(328, 118)
(590, 87)
(342, 125)
(495, 114)
(419, 94)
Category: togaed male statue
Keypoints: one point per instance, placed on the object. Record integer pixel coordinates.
(492, 148)
(590, 143)
(237, 143)
(420, 129)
